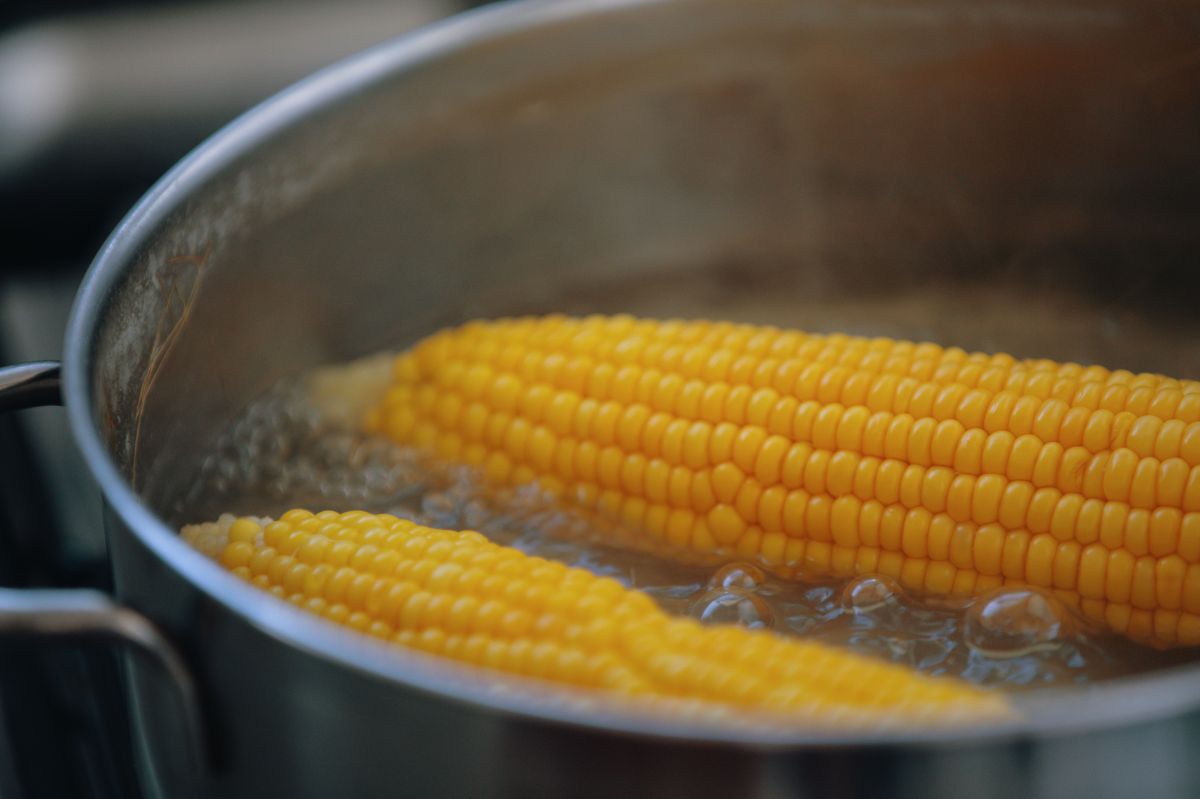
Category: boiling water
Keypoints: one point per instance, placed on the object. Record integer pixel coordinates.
(293, 448)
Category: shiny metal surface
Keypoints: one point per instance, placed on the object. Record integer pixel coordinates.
(40, 617)
(998, 176)
(30, 385)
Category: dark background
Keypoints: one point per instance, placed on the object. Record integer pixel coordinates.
(97, 100)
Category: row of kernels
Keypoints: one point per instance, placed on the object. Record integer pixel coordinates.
(716, 401)
(782, 344)
(582, 335)
(1162, 599)
(1144, 583)
(984, 499)
(403, 603)
(1094, 386)
(698, 444)
(1015, 504)
(918, 441)
(437, 559)
(831, 382)
(847, 525)
(825, 536)
(974, 445)
(528, 658)
(533, 658)
(1115, 525)
(1155, 627)
(1120, 476)
(607, 336)
(730, 665)
(988, 498)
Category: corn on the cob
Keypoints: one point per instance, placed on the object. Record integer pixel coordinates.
(458, 595)
(952, 472)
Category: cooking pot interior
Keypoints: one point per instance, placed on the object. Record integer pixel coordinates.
(1020, 177)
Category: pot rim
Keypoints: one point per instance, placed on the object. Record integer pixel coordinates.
(1059, 712)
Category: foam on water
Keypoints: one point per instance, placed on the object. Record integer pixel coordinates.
(289, 449)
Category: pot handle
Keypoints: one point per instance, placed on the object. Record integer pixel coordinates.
(30, 385)
(83, 615)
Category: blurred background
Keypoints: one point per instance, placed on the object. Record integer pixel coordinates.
(97, 100)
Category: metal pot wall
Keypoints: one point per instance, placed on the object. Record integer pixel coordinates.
(1020, 176)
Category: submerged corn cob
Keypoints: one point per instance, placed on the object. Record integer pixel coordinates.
(456, 594)
(952, 472)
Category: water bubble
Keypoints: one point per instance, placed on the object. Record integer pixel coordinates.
(738, 574)
(864, 594)
(733, 606)
(1010, 622)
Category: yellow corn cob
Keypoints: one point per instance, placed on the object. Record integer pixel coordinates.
(458, 595)
(952, 472)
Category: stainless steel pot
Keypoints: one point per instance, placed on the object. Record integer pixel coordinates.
(1001, 175)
